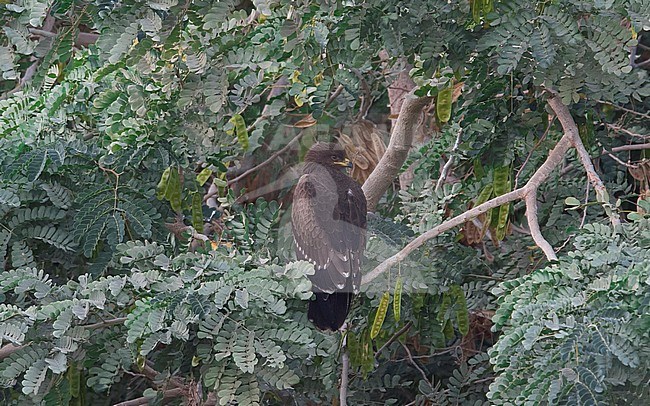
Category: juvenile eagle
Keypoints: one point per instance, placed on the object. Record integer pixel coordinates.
(328, 219)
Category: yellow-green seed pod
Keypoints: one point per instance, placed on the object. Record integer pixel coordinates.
(380, 315)
(443, 104)
(397, 299)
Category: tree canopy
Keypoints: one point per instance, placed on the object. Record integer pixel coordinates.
(148, 150)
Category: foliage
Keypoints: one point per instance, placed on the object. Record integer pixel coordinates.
(126, 245)
(246, 324)
(579, 329)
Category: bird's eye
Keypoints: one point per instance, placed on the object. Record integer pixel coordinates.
(334, 157)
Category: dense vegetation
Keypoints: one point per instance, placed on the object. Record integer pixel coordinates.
(147, 155)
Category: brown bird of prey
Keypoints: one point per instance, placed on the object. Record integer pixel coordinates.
(328, 219)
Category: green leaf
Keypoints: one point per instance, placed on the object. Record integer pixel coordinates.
(572, 201)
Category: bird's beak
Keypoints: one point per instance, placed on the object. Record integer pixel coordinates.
(345, 163)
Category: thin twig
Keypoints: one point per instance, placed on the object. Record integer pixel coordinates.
(584, 212)
(151, 373)
(626, 131)
(530, 154)
(615, 158)
(106, 323)
(395, 336)
(450, 162)
(345, 368)
(266, 162)
(334, 95)
(636, 113)
(168, 394)
(415, 364)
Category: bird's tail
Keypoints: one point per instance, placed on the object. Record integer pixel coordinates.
(329, 310)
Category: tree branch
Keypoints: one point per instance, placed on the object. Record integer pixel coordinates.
(83, 38)
(168, 394)
(8, 349)
(415, 364)
(395, 336)
(631, 147)
(533, 225)
(400, 143)
(436, 231)
(345, 374)
(528, 192)
(626, 131)
(107, 323)
(263, 164)
(636, 113)
(571, 129)
(450, 162)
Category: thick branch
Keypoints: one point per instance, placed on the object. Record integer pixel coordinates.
(552, 161)
(400, 143)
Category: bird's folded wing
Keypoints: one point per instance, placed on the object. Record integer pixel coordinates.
(329, 230)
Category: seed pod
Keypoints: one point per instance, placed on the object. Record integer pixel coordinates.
(397, 299)
(380, 315)
(161, 189)
(443, 104)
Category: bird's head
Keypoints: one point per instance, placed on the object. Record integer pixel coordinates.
(328, 154)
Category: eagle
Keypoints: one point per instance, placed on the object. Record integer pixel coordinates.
(328, 219)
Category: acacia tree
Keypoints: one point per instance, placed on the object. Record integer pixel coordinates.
(139, 266)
